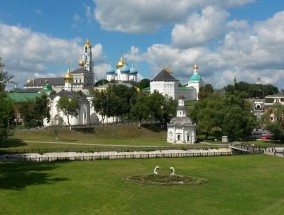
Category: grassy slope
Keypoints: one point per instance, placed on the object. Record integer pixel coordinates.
(237, 185)
(116, 135)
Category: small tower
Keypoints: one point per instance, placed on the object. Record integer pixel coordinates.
(195, 80)
(87, 62)
(68, 79)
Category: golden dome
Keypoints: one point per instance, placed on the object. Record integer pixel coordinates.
(195, 67)
(29, 80)
(168, 69)
(120, 63)
(88, 43)
(68, 77)
(81, 63)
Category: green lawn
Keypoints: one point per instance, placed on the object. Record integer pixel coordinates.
(237, 185)
(118, 135)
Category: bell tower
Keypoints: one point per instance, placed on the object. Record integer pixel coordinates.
(87, 62)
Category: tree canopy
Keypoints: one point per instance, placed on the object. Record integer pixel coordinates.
(230, 115)
(6, 107)
(248, 90)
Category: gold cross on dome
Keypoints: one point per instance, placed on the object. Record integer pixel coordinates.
(195, 67)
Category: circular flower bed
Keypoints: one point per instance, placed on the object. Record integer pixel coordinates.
(166, 179)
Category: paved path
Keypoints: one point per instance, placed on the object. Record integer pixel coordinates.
(278, 151)
(112, 155)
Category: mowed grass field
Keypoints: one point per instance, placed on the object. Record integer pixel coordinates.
(249, 184)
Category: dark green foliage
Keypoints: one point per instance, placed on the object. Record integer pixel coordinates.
(205, 91)
(34, 112)
(6, 116)
(6, 106)
(230, 114)
(101, 82)
(247, 90)
(144, 83)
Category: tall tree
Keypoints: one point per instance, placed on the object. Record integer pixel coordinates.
(69, 106)
(208, 111)
(42, 108)
(205, 91)
(5, 78)
(6, 107)
(100, 103)
(141, 109)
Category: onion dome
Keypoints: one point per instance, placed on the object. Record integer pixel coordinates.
(133, 70)
(121, 63)
(168, 69)
(81, 63)
(88, 43)
(110, 70)
(68, 77)
(29, 81)
(195, 77)
(125, 69)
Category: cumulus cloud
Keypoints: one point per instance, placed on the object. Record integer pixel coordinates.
(145, 16)
(29, 54)
(200, 28)
(245, 50)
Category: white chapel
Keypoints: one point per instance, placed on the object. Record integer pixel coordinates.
(181, 130)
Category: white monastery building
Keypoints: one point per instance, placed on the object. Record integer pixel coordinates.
(166, 84)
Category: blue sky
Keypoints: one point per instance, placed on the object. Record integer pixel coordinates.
(226, 38)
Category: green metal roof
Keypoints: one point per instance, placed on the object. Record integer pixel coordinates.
(195, 77)
(23, 97)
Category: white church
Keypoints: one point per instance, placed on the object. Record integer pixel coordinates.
(166, 84)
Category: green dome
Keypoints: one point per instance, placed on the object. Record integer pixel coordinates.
(47, 88)
(195, 77)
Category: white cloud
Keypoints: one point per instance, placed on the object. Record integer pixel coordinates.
(29, 54)
(145, 16)
(246, 51)
(200, 28)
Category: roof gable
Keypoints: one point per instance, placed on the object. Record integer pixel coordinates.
(164, 76)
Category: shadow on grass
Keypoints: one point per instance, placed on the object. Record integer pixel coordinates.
(12, 143)
(17, 176)
(85, 130)
(68, 140)
(154, 127)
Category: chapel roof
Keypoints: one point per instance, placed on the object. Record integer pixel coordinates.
(181, 121)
